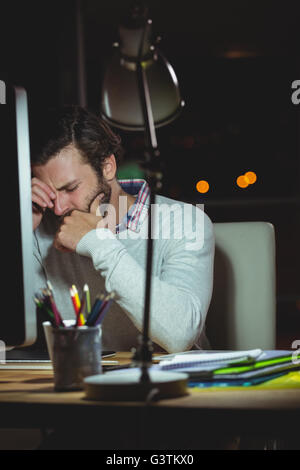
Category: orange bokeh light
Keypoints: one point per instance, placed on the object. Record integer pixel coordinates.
(202, 186)
(250, 177)
(242, 182)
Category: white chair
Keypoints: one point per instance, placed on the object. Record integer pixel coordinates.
(242, 314)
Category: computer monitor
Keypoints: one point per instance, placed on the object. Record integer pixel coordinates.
(18, 313)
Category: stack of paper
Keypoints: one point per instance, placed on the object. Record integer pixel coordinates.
(238, 367)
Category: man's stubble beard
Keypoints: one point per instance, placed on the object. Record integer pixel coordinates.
(102, 187)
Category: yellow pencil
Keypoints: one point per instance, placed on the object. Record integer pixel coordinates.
(76, 296)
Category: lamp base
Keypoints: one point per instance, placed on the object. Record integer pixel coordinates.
(126, 385)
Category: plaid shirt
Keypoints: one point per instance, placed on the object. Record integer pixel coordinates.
(139, 210)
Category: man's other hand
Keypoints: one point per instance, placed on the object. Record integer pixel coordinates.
(78, 224)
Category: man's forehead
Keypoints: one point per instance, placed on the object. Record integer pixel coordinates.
(61, 170)
(69, 155)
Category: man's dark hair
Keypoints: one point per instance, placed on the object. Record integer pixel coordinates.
(90, 135)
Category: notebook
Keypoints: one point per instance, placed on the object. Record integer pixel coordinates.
(269, 362)
(199, 360)
(240, 365)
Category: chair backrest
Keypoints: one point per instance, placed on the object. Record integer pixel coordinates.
(242, 314)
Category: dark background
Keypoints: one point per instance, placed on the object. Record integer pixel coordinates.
(235, 61)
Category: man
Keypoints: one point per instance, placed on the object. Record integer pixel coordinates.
(91, 228)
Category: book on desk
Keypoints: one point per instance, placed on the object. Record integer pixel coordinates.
(232, 368)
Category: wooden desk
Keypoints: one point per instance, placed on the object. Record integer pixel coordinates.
(28, 400)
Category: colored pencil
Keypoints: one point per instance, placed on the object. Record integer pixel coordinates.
(80, 317)
(56, 313)
(86, 291)
(45, 311)
(76, 306)
(77, 300)
(100, 309)
(103, 312)
(72, 295)
(47, 306)
(80, 321)
(49, 301)
(95, 310)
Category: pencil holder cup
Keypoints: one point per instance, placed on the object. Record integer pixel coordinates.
(48, 332)
(76, 355)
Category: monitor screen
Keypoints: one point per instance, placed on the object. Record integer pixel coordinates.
(18, 315)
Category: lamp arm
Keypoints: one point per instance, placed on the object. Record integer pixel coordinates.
(143, 355)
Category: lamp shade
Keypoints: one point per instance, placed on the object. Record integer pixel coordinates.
(121, 101)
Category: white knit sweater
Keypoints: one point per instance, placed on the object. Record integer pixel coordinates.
(182, 276)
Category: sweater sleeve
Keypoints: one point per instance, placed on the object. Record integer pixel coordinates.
(180, 295)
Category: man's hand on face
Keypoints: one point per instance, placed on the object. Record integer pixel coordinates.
(42, 197)
(78, 224)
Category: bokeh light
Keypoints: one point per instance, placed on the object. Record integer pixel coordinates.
(202, 186)
(242, 182)
(250, 177)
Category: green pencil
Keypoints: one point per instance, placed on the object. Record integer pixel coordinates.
(86, 291)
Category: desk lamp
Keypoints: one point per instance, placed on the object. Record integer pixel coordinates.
(140, 92)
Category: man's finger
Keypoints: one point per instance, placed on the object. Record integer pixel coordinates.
(38, 194)
(59, 246)
(95, 204)
(44, 187)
